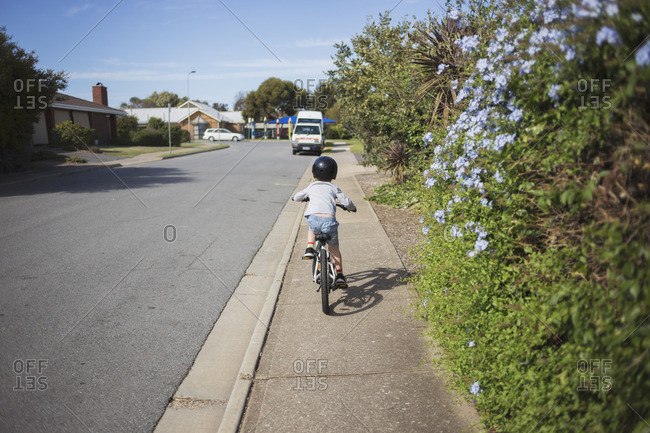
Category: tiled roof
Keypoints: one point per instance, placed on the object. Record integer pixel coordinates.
(72, 103)
(178, 114)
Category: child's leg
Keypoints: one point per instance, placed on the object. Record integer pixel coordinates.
(336, 257)
(311, 238)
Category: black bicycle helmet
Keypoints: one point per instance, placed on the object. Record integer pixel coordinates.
(325, 168)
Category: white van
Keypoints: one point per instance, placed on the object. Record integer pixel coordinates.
(308, 134)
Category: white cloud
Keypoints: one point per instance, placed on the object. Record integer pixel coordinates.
(74, 10)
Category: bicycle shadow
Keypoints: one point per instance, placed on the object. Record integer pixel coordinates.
(365, 289)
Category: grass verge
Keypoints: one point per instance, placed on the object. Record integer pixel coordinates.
(131, 151)
(189, 152)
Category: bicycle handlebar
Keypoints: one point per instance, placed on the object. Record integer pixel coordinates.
(345, 208)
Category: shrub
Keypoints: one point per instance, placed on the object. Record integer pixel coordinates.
(147, 137)
(337, 132)
(179, 135)
(156, 123)
(536, 209)
(72, 136)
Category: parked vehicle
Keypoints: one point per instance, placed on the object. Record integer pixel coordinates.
(310, 117)
(308, 134)
(307, 137)
(222, 134)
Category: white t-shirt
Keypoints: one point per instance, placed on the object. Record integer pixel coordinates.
(322, 198)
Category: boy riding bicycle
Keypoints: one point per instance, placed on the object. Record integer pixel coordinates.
(321, 211)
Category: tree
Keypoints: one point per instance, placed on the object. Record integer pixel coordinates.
(377, 85)
(135, 102)
(324, 96)
(240, 100)
(220, 107)
(25, 92)
(156, 100)
(274, 98)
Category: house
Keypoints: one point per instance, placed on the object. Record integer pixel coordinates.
(201, 116)
(96, 114)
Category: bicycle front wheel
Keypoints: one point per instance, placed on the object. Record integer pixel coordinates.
(324, 281)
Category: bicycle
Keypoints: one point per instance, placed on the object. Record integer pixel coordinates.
(322, 260)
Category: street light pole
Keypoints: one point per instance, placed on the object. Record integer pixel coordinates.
(188, 105)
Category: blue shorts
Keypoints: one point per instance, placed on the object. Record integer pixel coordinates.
(328, 225)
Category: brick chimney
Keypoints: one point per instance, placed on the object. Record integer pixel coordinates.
(100, 96)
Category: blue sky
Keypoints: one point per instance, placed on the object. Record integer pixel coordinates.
(143, 46)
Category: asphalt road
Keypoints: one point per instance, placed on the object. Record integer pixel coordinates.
(111, 281)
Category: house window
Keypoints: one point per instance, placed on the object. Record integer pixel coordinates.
(199, 130)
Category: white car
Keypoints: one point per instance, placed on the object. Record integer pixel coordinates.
(221, 134)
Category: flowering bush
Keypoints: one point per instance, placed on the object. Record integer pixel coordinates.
(536, 212)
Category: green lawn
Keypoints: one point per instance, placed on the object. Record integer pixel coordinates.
(131, 151)
(356, 146)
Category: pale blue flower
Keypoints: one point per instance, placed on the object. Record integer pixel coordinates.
(607, 34)
(516, 115)
(642, 55)
(611, 9)
(425, 230)
(482, 64)
(470, 343)
(526, 65)
(468, 43)
(441, 68)
(552, 92)
(569, 54)
(454, 84)
(480, 245)
(439, 215)
(501, 140)
(475, 388)
(550, 16)
(428, 138)
(430, 182)
(532, 50)
(498, 177)
(456, 232)
(501, 34)
(636, 17)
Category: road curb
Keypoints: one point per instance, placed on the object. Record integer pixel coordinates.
(237, 401)
(194, 153)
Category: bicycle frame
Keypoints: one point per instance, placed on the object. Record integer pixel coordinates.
(316, 263)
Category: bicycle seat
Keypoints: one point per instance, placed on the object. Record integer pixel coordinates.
(323, 237)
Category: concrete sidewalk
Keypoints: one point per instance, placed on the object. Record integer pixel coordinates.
(363, 368)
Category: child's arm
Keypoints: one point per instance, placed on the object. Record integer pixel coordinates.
(301, 195)
(344, 200)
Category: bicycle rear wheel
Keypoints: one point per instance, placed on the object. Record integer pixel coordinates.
(324, 281)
